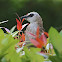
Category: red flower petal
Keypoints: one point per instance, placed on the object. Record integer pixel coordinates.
(36, 43)
(19, 25)
(40, 41)
(37, 33)
(23, 20)
(31, 34)
(18, 17)
(23, 37)
(46, 34)
(44, 39)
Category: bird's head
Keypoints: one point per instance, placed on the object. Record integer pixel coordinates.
(31, 17)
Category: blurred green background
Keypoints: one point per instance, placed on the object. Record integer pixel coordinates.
(50, 11)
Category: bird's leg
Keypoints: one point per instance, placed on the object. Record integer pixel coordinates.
(43, 50)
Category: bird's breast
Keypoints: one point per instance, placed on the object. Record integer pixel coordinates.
(32, 28)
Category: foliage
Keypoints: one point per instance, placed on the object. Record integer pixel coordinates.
(13, 46)
(56, 39)
(8, 52)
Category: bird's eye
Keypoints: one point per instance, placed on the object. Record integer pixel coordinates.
(31, 15)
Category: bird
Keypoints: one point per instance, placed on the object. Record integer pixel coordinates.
(35, 21)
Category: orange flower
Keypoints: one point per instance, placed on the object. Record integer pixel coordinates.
(19, 25)
(46, 34)
(39, 41)
(22, 37)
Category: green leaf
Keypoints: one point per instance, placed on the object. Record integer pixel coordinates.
(1, 35)
(32, 56)
(1, 32)
(12, 55)
(55, 59)
(3, 60)
(12, 29)
(35, 49)
(60, 33)
(15, 33)
(10, 51)
(7, 48)
(35, 56)
(5, 43)
(56, 40)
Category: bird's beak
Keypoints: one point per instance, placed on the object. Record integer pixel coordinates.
(25, 16)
